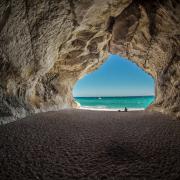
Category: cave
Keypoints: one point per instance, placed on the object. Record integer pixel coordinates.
(46, 46)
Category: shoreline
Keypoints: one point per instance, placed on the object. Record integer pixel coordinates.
(108, 109)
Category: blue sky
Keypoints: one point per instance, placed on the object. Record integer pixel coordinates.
(116, 77)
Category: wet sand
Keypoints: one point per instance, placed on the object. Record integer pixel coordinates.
(92, 145)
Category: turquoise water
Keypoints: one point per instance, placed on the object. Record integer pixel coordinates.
(137, 102)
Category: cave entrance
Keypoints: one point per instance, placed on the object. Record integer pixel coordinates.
(117, 84)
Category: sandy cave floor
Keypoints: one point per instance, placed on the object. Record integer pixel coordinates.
(93, 145)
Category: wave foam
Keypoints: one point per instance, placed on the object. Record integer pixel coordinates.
(104, 108)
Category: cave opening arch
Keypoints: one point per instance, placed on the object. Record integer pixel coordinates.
(44, 56)
(116, 84)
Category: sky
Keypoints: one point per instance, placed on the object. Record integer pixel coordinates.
(116, 77)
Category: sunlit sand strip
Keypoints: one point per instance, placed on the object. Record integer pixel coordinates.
(109, 109)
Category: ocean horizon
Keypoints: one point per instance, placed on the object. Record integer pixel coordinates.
(115, 102)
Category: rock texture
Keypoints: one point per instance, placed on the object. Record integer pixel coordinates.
(148, 33)
(46, 46)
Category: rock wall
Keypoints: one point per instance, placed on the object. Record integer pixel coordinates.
(47, 45)
(148, 33)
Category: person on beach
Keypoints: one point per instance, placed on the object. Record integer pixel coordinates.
(125, 109)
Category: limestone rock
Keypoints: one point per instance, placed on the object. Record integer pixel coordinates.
(148, 33)
(47, 45)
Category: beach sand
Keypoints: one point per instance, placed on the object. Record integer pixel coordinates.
(93, 145)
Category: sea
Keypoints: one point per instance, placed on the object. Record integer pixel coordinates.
(132, 103)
